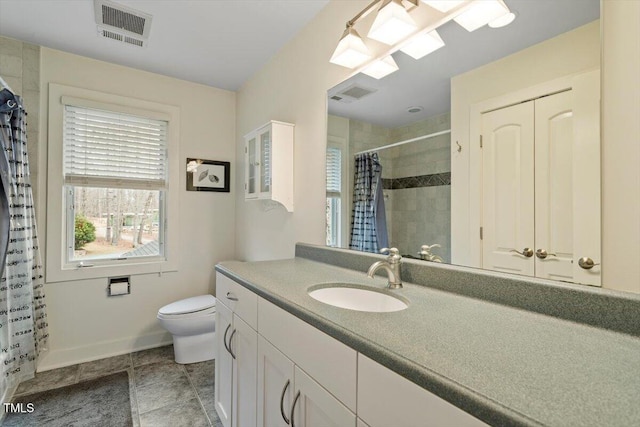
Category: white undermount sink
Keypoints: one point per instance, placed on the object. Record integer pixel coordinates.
(357, 297)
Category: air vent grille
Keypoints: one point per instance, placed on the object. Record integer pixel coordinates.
(112, 35)
(133, 41)
(121, 23)
(123, 20)
(357, 92)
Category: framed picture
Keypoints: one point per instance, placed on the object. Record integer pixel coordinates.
(208, 175)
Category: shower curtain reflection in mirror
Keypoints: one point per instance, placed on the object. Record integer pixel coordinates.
(368, 219)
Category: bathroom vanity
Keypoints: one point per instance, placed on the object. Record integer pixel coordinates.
(472, 348)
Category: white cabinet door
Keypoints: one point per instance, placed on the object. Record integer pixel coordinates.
(251, 154)
(508, 189)
(275, 386)
(243, 343)
(387, 399)
(554, 183)
(313, 406)
(224, 365)
(265, 167)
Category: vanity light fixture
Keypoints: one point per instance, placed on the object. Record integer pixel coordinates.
(423, 44)
(351, 51)
(503, 21)
(443, 6)
(414, 34)
(481, 13)
(381, 68)
(392, 23)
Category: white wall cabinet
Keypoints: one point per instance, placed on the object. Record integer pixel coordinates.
(269, 164)
(237, 347)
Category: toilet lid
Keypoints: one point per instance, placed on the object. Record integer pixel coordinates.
(189, 305)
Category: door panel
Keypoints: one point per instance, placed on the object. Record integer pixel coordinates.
(508, 189)
(316, 407)
(245, 347)
(224, 365)
(554, 186)
(275, 370)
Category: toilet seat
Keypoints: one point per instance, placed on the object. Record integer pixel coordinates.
(190, 307)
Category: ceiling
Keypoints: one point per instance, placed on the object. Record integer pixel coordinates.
(426, 82)
(219, 43)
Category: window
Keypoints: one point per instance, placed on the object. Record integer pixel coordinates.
(112, 185)
(115, 169)
(334, 195)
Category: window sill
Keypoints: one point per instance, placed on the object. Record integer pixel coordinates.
(98, 271)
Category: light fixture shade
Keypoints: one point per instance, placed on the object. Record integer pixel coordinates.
(392, 23)
(351, 51)
(380, 68)
(503, 21)
(481, 13)
(423, 44)
(443, 5)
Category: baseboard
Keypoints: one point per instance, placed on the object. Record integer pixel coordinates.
(70, 356)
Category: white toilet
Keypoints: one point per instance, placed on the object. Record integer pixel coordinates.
(192, 323)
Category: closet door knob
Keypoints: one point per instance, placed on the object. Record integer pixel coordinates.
(526, 252)
(542, 253)
(587, 263)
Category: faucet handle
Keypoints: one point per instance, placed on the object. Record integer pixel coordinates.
(394, 254)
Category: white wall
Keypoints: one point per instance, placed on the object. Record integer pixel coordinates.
(566, 54)
(84, 323)
(292, 87)
(621, 145)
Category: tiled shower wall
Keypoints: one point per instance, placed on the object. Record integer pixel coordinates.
(417, 178)
(20, 68)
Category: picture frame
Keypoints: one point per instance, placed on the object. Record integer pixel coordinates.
(208, 175)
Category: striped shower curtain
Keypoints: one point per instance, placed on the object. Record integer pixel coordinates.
(368, 218)
(23, 319)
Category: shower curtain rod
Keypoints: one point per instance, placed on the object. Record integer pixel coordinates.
(395, 144)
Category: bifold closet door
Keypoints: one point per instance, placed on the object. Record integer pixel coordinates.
(508, 189)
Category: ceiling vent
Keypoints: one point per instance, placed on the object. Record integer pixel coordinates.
(121, 23)
(352, 93)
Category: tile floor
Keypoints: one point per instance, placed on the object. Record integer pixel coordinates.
(162, 392)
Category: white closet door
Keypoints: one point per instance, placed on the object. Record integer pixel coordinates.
(554, 197)
(508, 189)
(244, 344)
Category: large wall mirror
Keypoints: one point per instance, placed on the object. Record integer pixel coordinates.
(486, 146)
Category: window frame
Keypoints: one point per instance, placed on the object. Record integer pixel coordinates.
(343, 196)
(58, 267)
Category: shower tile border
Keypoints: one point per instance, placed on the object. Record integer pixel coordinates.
(432, 180)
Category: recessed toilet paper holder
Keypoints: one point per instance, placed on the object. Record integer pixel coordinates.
(119, 286)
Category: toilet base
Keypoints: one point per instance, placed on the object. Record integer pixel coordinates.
(194, 348)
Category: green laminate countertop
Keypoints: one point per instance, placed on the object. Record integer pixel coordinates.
(504, 365)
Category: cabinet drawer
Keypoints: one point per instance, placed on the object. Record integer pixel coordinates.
(328, 361)
(239, 299)
(380, 388)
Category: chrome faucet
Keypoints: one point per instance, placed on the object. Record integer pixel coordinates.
(391, 265)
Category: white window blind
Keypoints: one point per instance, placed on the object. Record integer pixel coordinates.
(334, 171)
(116, 150)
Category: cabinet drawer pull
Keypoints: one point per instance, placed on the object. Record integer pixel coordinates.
(224, 339)
(230, 339)
(293, 409)
(284, 390)
(231, 297)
